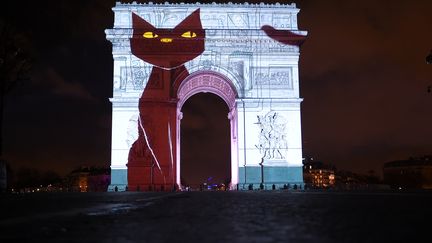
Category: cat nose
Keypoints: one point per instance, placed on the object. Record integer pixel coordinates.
(166, 40)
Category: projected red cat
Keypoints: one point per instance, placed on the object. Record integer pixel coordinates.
(151, 161)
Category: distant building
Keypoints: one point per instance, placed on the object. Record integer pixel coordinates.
(317, 174)
(89, 179)
(413, 173)
(348, 180)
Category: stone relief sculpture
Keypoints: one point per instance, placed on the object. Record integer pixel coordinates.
(272, 137)
(132, 130)
(237, 67)
(135, 76)
(275, 76)
(139, 75)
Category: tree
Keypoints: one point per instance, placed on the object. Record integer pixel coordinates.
(14, 66)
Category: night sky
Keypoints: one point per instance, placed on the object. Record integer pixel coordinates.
(363, 77)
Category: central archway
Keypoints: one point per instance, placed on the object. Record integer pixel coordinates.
(212, 82)
(205, 142)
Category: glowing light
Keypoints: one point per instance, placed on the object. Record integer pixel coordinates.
(149, 35)
(166, 40)
(189, 34)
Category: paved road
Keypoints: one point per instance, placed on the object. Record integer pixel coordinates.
(249, 216)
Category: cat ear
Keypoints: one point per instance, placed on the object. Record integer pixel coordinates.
(138, 23)
(193, 21)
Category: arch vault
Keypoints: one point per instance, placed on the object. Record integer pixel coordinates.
(211, 82)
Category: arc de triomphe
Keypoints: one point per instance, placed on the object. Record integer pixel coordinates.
(250, 60)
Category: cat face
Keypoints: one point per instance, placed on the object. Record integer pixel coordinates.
(168, 48)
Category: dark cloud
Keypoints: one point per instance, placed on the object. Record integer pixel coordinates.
(52, 81)
(364, 80)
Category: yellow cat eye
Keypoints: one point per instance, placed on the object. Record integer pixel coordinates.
(189, 34)
(149, 35)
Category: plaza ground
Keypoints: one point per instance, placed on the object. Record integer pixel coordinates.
(235, 216)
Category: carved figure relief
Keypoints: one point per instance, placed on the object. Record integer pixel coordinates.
(132, 130)
(277, 76)
(272, 137)
(237, 67)
(134, 77)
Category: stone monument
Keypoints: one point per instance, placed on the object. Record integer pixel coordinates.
(247, 54)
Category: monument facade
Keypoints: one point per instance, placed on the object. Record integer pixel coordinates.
(247, 54)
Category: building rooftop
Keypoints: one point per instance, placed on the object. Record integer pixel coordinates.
(422, 161)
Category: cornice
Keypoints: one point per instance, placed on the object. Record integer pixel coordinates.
(198, 4)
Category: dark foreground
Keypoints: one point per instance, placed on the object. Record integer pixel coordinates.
(250, 216)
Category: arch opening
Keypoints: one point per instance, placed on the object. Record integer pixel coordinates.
(205, 143)
(219, 85)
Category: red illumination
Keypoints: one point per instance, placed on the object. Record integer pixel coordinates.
(151, 161)
(284, 36)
